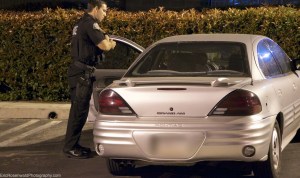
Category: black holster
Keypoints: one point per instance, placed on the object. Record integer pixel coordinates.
(84, 88)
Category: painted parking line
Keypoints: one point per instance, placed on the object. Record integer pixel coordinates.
(14, 129)
(25, 134)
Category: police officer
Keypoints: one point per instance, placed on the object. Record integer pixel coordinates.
(87, 44)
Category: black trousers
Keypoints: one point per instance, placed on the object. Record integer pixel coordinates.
(80, 102)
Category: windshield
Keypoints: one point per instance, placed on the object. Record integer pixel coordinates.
(193, 59)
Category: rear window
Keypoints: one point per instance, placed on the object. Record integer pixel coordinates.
(193, 59)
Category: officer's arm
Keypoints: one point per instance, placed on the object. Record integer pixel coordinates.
(107, 44)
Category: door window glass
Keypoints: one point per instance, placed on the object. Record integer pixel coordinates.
(281, 57)
(121, 57)
(266, 61)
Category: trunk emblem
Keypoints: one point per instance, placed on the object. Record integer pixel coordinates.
(171, 112)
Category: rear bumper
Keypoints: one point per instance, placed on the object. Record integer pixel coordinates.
(183, 140)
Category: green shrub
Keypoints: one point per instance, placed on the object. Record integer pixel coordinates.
(34, 50)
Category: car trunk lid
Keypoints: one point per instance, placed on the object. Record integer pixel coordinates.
(170, 97)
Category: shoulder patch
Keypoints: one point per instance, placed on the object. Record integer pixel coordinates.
(75, 30)
(96, 26)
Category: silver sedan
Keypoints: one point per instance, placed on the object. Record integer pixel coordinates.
(201, 97)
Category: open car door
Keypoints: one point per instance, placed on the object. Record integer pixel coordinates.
(125, 52)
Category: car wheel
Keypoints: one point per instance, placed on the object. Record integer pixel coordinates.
(120, 167)
(271, 167)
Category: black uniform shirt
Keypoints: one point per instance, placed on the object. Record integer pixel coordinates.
(85, 38)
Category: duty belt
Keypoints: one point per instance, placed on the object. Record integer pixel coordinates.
(84, 67)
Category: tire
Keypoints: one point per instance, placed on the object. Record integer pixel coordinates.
(271, 167)
(120, 167)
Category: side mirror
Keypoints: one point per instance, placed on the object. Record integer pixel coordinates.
(295, 64)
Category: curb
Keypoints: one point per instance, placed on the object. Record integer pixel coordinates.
(32, 110)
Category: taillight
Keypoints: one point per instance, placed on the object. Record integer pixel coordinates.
(113, 104)
(238, 103)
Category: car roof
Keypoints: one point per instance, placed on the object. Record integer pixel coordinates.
(243, 38)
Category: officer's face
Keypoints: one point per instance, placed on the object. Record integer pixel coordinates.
(101, 12)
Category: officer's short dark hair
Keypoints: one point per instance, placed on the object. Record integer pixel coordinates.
(94, 3)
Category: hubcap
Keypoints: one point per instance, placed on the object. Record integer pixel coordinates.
(275, 149)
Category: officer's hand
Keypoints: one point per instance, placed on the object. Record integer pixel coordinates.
(107, 37)
(113, 43)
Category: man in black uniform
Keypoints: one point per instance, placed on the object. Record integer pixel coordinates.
(88, 43)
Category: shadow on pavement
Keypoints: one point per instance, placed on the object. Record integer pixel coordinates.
(296, 139)
(202, 170)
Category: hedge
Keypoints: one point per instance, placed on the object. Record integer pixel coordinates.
(34, 50)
